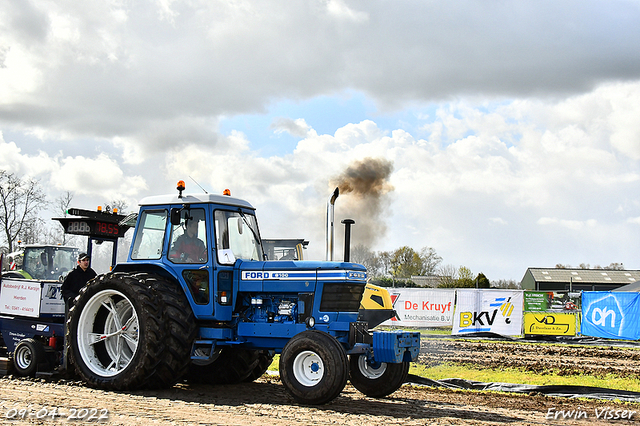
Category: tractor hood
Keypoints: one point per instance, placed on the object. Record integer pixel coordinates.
(296, 276)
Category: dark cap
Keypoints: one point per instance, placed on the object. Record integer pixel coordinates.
(83, 256)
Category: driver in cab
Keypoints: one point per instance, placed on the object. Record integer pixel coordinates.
(188, 248)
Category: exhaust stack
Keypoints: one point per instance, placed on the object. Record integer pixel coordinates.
(347, 238)
(330, 216)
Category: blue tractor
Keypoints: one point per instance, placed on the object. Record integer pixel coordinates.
(197, 301)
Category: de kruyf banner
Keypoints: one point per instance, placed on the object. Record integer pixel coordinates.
(612, 315)
(422, 307)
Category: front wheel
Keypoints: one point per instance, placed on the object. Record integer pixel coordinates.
(377, 380)
(313, 367)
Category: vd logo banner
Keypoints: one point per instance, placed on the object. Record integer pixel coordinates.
(550, 323)
(612, 315)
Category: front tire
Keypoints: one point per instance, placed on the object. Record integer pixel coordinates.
(122, 332)
(376, 380)
(313, 367)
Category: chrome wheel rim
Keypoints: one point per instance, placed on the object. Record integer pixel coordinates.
(108, 333)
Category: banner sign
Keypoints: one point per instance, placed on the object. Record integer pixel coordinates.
(556, 301)
(536, 301)
(496, 311)
(550, 323)
(20, 297)
(52, 303)
(612, 315)
(422, 307)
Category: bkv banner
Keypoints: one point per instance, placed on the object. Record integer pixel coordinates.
(496, 311)
(612, 315)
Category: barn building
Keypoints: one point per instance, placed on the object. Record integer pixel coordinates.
(557, 279)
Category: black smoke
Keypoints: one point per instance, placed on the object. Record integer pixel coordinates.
(364, 197)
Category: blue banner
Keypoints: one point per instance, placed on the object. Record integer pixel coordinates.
(612, 315)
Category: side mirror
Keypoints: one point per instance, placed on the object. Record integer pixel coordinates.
(240, 226)
(175, 216)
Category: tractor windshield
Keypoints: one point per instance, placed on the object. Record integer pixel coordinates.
(49, 262)
(237, 237)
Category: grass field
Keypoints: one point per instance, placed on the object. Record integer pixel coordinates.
(513, 375)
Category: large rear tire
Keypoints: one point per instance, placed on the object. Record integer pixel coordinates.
(377, 380)
(313, 367)
(229, 366)
(123, 332)
(264, 361)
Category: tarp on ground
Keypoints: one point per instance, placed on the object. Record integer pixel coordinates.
(551, 390)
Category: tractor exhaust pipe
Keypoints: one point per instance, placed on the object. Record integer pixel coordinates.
(330, 215)
(347, 239)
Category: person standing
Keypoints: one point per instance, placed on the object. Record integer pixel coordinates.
(77, 278)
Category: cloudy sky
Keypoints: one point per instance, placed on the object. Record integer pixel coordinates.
(504, 134)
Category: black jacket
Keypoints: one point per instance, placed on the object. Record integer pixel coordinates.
(76, 279)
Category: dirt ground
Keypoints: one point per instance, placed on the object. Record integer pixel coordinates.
(265, 401)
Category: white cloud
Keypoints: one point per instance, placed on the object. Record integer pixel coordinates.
(297, 127)
(576, 225)
(339, 9)
(101, 175)
(120, 70)
(521, 115)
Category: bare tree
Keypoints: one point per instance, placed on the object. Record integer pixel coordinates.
(448, 276)
(120, 205)
(505, 284)
(363, 255)
(33, 231)
(20, 202)
(385, 262)
(616, 266)
(62, 205)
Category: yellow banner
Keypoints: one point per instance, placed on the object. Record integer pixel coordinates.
(550, 324)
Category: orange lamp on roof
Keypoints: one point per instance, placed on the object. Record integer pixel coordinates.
(180, 188)
(226, 192)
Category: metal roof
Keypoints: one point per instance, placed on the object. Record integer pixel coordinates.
(590, 276)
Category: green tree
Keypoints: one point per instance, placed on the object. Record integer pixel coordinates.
(465, 278)
(482, 281)
(406, 262)
(452, 277)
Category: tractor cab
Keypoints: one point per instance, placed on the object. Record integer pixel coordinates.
(42, 262)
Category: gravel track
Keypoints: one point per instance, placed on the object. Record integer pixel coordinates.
(265, 401)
